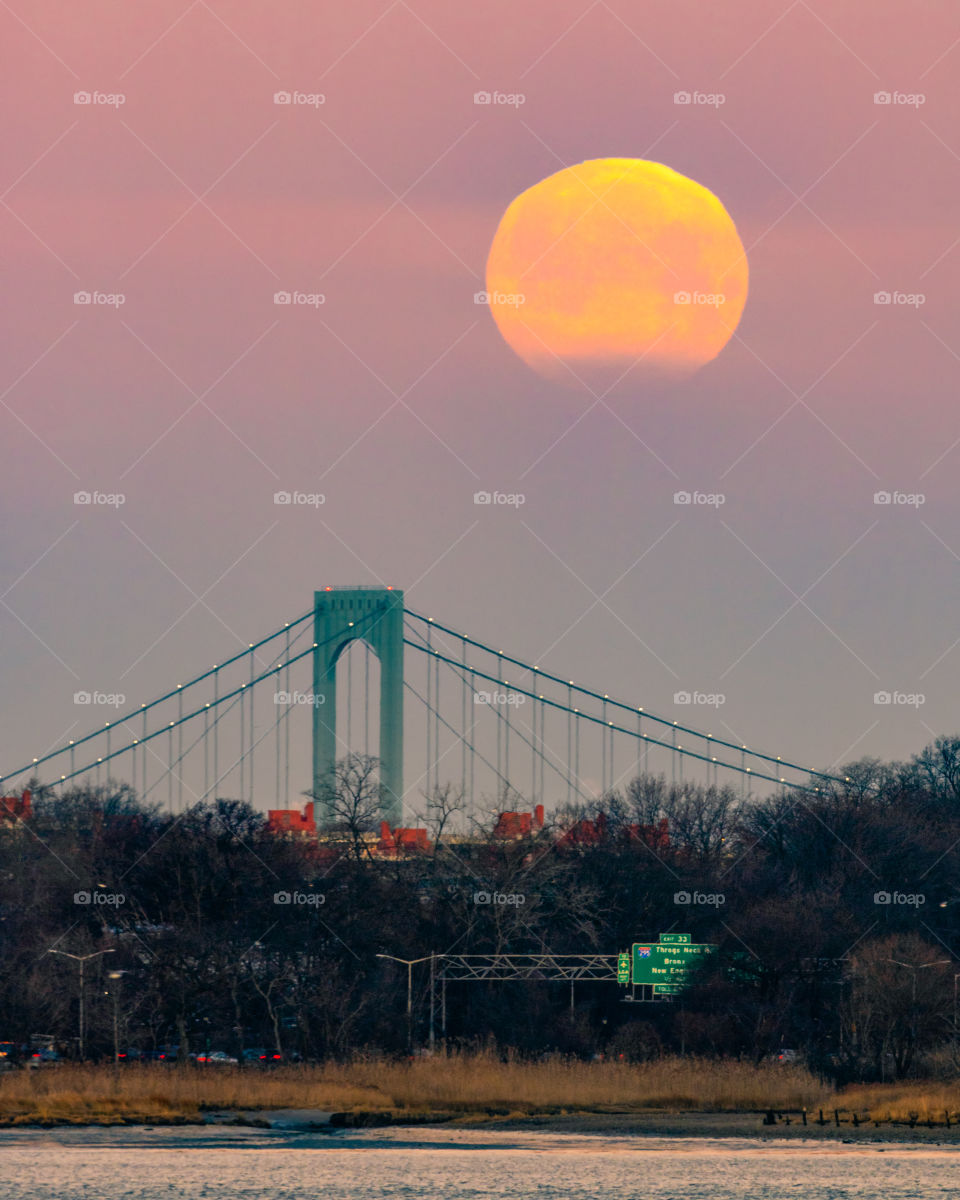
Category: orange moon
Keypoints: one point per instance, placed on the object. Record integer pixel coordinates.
(616, 265)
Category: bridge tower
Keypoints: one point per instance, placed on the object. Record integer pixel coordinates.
(374, 616)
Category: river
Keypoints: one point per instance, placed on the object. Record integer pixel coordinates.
(447, 1164)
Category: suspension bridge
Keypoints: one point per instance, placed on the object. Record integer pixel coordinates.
(361, 673)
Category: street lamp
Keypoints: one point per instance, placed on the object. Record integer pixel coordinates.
(82, 959)
(409, 963)
(118, 975)
(915, 967)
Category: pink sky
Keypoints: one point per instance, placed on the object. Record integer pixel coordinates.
(300, 198)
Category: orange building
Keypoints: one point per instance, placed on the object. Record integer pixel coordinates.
(16, 808)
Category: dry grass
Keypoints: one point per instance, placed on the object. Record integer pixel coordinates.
(453, 1083)
(447, 1084)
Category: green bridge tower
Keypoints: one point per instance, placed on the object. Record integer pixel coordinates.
(374, 616)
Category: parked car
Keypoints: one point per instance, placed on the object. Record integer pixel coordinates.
(216, 1058)
(167, 1054)
(788, 1056)
(45, 1056)
(11, 1055)
(131, 1055)
(258, 1055)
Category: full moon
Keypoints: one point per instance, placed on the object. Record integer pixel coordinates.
(616, 266)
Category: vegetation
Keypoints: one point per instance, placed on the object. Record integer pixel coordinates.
(451, 1085)
(836, 913)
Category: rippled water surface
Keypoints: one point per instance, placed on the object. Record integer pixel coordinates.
(456, 1165)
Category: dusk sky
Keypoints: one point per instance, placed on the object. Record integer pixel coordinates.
(198, 198)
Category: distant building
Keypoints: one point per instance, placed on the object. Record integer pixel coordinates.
(592, 832)
(391, 843)
(292, 820)
(518, 825)
(16, 808)
(401, 842)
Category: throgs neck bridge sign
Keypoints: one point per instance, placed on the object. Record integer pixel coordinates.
(667, 965)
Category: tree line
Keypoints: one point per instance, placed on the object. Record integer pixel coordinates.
(835, 910)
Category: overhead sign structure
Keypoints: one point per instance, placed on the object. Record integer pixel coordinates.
(666, 965)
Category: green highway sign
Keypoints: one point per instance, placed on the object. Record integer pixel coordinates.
(675, 939)
(668, 963)
(623, 967)
(667, 989)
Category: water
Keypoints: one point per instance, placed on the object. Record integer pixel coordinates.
(446, 1164)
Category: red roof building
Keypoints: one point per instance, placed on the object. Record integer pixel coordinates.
(291, 820)
(519, 825)
(16, 808)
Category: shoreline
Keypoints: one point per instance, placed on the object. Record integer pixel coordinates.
(653, 1124)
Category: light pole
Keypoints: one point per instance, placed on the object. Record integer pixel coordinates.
(955, 978)
(915, 967)
(409, 963)
(82, 959)
(118, 975)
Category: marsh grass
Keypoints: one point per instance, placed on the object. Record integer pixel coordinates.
(450, 1084)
